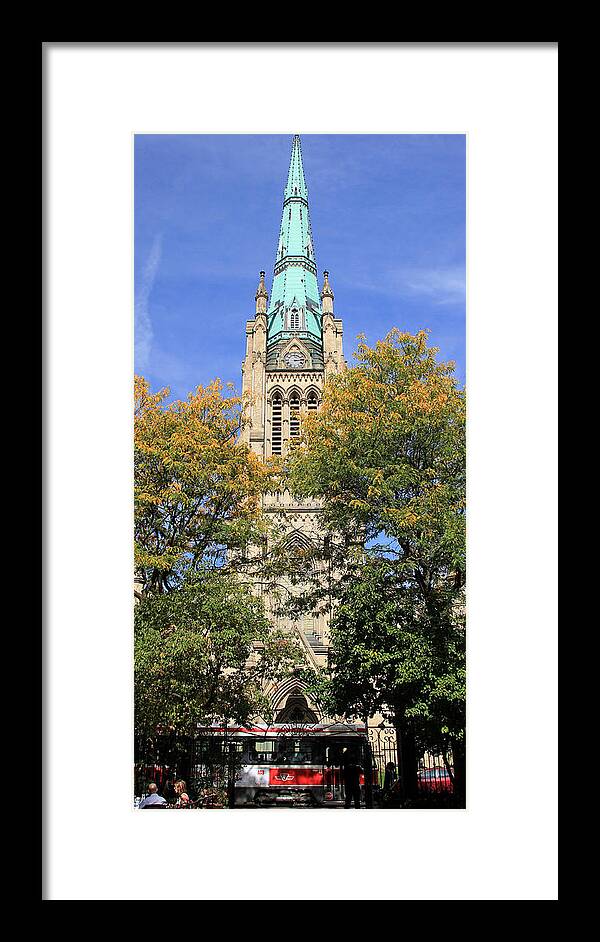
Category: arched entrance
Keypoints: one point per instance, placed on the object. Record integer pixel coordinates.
(296, 709)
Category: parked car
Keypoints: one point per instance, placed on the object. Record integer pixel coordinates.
(435, 780)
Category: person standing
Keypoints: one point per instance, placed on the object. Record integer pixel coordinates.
(351, 771)
(169, 789)
(390, 777)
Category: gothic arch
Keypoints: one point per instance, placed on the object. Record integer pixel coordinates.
(298, 540)
(295, 344)
(293, 687)
(295, 317)
(293, 390)
(296, 710)
(276, 391)
(313, 391)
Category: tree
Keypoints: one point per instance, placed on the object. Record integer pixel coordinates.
(389, 658)
(203, 647)
(197, 487)
(202, 653)
(386, 454)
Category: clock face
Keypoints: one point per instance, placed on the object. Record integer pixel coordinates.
(295, 361)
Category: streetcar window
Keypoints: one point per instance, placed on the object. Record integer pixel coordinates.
(262, 750)
(285, 751)
(264, 746)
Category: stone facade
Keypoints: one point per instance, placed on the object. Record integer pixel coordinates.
(281, 395)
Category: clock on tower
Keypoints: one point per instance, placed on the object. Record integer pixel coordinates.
(295, 360)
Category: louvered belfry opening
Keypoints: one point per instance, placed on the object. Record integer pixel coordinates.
(276, 425)
(294, 416)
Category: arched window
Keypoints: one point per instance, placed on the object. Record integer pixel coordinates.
(294, 416)
(295, 319)
(276, 425)
(312, 402)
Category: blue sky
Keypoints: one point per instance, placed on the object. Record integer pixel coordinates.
(388, 221)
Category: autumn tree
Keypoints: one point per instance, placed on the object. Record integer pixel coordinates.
(203, 646)
(197, 486)
(386, 455)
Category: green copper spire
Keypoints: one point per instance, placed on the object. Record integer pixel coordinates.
(294, 308)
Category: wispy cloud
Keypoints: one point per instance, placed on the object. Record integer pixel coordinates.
(442, 286)
(387, 213)
(144, 335)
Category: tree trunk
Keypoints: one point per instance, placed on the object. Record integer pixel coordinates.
(399, 760)
(409, 752)
(460, 770)
(368, 770)
(407, 756)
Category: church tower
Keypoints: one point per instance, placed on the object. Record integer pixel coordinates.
(293, 345)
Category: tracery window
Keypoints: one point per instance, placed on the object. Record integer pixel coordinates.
(295, 319)
(312, 402)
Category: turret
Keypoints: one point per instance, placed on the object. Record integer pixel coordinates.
(261, 296)
(332, 331)
(326, 295)
(253, 368)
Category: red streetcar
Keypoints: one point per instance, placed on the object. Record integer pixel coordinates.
(281, 764)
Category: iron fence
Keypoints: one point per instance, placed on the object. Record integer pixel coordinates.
(428, 783)
(162, 760)
(209, 764)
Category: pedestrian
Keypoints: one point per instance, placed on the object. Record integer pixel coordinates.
(153, 799)
(352, 771)
(390, 777)
(183, 799)
(169, 789)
